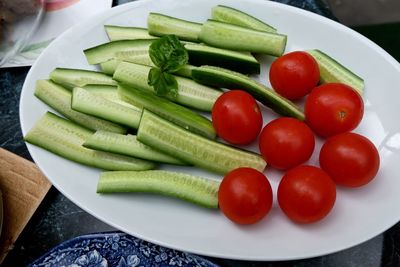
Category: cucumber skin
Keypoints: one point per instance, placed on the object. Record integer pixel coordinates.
(194, 189)
(219, 77)
(127, 145)
(332, 71)
(171, 139)
(187, 119)
(234, 37)
(64, 138)
(233, 16)
(59, 98)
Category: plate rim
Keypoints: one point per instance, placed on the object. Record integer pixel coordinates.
(132, 5)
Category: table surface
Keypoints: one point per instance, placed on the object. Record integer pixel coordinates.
(58, 219)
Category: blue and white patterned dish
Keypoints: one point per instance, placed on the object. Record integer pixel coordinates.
(116, 249)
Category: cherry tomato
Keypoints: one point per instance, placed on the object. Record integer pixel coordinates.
(294, 75)
(306, 194)
(333, 108)
(236, 117)
(350, 159)
(245, 196)
(286, 143)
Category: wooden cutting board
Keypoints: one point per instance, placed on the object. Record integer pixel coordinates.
(23, 187)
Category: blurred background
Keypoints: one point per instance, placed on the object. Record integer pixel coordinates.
(379, 20)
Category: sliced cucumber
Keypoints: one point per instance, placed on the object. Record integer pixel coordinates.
(160, 25)
(70, 78)
(64, 138)
(116, 33)
(332, 71)
(137, 59)
(179, 115)
(190, 93)
(108, 92)
(59, 99)
(159, 133)
(92, 104)
(127, 145)
(234, 37)
(199, 54)
(220, 77)
(185, 71)
(136, 51)
(109, 66)
(107, 51)
(243, 62)
(198, 190)
(233, 16)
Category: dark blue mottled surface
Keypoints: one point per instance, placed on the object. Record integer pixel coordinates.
(11, 81)
(58, 219)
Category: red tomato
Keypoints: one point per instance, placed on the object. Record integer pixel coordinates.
(333, 108)
(236, 117)
(245, 196)
(306, 194)
(350, 159)
(294, 75)
(286, 143)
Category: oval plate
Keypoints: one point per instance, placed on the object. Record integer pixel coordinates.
(358, 215)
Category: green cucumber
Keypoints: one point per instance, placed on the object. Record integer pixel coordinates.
(108, 92)
(244, 62)
(116, 33)
(70, 78)
(107, 51)
(190, 93)
(60, 98)
(65, 138)
(184, 117)
(110, 66)
(169, 138)
(160, 25)
(136, 51)
(233, 16)
(331, 71)
(199, 54)
(127, 145)
(185, 71)
(234, 37)
(197, 190)
(92, 104)
(220, 77)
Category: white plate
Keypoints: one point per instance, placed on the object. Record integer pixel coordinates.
(358, 215)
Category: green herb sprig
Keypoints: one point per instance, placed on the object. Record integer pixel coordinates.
(169, 55)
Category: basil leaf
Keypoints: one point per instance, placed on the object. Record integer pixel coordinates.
(168, 53)
(154, 76)
(163, 83)
(171, 84)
